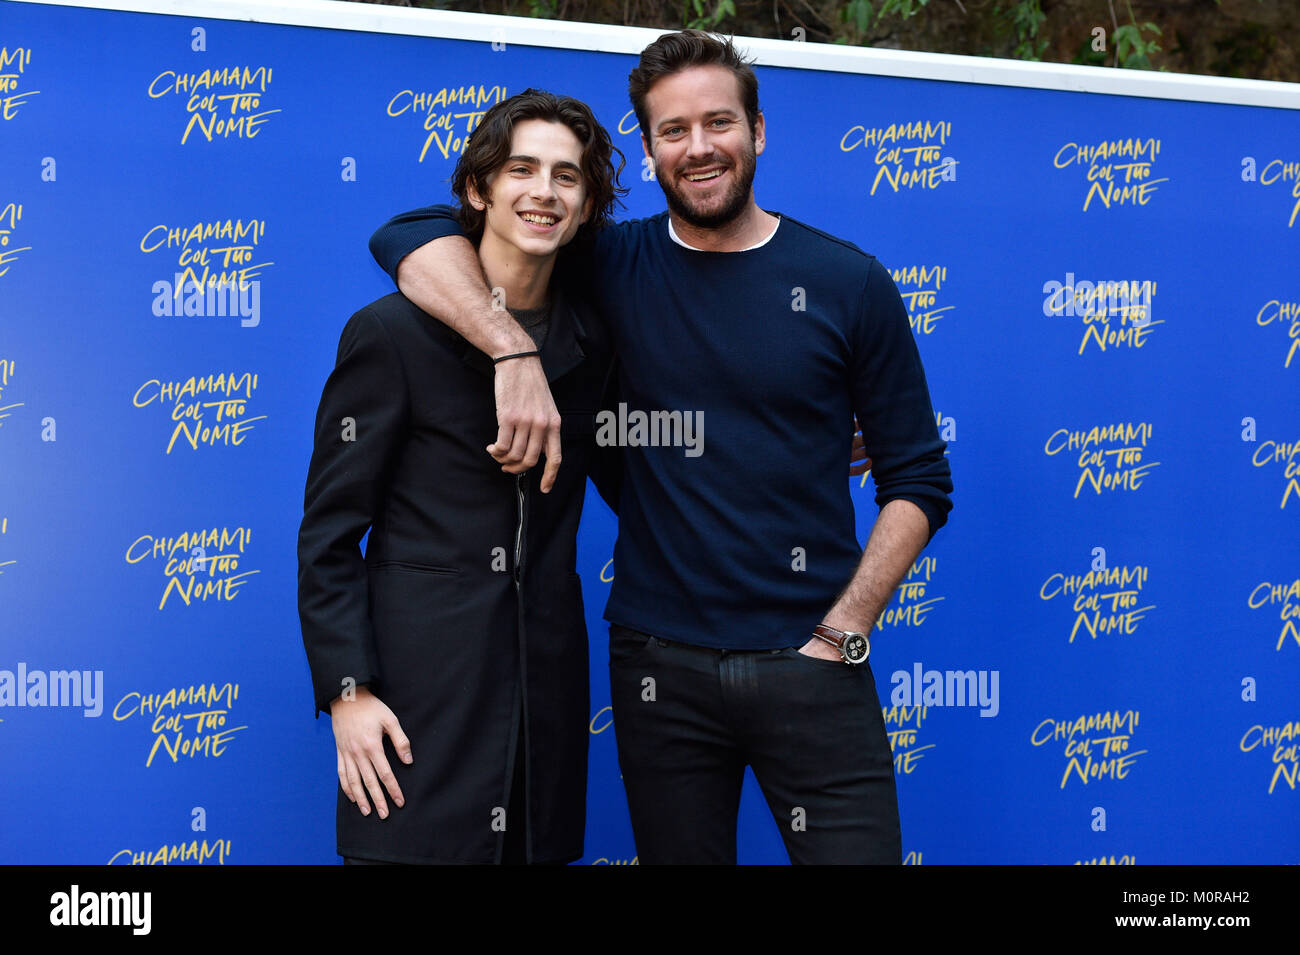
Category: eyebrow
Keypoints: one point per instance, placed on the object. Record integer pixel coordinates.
(677, 120)
(534, 161)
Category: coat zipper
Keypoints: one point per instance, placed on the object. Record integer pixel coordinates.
(519, 528)
(523, 669)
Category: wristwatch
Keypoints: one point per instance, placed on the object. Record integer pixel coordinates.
(853, 646)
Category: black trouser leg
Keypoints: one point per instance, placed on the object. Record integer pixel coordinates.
(816, 739)
(681, 768)
(811, 729)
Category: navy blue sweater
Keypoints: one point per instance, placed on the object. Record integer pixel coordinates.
(746, 541)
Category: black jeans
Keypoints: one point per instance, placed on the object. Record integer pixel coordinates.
(688, 720)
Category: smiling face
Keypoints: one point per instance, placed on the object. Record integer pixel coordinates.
(703, 150)
(538, 198)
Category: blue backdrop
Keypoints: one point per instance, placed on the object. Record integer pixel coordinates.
(1120, 574)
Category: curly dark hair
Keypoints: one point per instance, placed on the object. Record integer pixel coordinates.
(674, 52)
(489, 147)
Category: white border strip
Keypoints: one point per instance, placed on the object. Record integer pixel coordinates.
(370, 18)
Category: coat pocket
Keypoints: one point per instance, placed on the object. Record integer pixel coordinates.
(415, 568)
(442, 637)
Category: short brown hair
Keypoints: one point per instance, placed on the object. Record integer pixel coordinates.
(489, 147)
(674, 52)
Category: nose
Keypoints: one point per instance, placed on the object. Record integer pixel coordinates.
(700, 146)
(543, 189)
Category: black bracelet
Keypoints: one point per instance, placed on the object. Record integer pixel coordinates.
(521, 354)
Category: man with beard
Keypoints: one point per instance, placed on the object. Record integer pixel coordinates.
(741, 599)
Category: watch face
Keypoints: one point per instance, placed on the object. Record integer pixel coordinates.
(856, 648)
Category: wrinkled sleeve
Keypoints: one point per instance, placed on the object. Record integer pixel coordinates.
(404, 233)
(360, 424)
(407, 231)
(892, 402)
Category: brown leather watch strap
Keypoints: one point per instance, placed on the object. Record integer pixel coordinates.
(830, 635)
(839, 639)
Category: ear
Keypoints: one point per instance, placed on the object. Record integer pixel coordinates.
(760, 135)
(646, 146)
(587, 208)
(472, 194)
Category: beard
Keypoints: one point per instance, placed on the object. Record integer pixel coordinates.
(732, 203)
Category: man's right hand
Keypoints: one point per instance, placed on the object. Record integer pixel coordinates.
(359, 728)
(528, 422)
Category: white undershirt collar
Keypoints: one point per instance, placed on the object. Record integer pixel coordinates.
(676, 238)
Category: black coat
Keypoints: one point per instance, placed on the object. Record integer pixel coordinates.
(466, 610)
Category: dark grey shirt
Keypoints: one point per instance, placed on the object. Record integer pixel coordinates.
(536, 321)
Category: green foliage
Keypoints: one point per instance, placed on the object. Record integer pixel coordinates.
(857, 13)
(1131, 49)
(699, 15)
(1022, 20)
(1016, 28)
(859, 16)
(904, 9)
(1087, 56)
(1244, 51)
